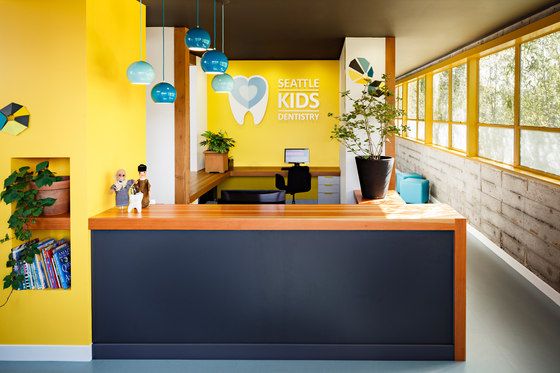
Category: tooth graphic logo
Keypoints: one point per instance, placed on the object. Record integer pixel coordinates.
(249, 95)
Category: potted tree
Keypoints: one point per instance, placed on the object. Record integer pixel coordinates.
(364, 130)
(216, 155)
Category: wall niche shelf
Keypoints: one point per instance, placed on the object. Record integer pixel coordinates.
(55, 222)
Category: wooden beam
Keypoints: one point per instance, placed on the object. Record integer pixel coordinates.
(182, 118)
(390, 72)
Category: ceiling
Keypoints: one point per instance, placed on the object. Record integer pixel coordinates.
(315, 29)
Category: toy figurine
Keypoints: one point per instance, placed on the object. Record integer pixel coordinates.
(121, 188)
(142, 185)
(135, 202)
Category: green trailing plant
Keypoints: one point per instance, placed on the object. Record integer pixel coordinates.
(217, 141)
(365, 129)
(18, 191)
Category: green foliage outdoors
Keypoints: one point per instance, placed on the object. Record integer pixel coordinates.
(217, 141)
(366, 127)
(18, 191)
(540, 82)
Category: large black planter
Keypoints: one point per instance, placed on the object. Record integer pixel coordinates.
(374, 175)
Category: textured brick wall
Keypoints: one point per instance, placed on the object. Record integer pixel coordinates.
(519, 214)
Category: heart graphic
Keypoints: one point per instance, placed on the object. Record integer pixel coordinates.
(249, 95)
(248, 92)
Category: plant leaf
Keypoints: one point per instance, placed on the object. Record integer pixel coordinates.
(42, 166)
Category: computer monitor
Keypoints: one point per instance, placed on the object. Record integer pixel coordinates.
(296, 155)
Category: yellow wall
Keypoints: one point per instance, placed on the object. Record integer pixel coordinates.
(263, 145)
(44, 68)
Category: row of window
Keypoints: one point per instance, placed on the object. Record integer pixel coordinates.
(518, 100)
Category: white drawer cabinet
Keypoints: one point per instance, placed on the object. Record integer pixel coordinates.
(329, 190)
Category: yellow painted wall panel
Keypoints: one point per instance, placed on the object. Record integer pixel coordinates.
(263, 144)
(116, 109)
(69, 70)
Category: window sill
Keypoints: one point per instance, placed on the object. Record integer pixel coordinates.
(502, 167)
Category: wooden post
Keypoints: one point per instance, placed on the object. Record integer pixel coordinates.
(182, 118)
(390, 149)
(460, 292)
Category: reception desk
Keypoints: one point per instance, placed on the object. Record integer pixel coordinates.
(279, 282)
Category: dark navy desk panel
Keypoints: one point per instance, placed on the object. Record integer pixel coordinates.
(273, 294)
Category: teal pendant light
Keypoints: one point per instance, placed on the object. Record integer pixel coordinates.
(163, 92)
(140, 72)
(214, 61)
(197, 39)
(222, 83)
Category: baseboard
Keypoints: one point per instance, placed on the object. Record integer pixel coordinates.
(45, 353)
(545, 288)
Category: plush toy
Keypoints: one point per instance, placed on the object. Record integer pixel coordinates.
(135, 202)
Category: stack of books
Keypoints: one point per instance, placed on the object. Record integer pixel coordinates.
(50, 268)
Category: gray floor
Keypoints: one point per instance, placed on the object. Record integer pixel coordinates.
(511, 327)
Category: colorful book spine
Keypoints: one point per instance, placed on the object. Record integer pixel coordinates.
(61, 256)
(47, 256)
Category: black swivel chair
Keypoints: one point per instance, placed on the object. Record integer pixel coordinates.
(299, 181)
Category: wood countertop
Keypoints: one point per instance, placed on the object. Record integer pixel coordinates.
(281, 217)
(392, 198)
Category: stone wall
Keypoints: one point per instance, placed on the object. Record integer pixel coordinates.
(519, 214)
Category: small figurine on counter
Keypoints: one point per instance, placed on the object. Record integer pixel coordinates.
(135, 202)
(121, 188)
(142, 185)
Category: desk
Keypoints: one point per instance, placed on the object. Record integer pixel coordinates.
(202, 182)
(381, 281)
(271, 171)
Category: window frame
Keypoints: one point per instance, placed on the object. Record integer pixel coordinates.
(416, 119)
(471, 58)
(450, 122)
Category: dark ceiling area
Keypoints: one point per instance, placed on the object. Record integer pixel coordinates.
(315, 29)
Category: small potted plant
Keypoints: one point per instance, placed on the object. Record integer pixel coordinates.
(21, 188)
(364, 131)
(216, 155)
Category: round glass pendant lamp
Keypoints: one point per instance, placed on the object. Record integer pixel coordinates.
(140, 72)
(163, 92)
(222, 83)
(213, 61)
(197, 39)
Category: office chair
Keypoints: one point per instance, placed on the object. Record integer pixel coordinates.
(265, 197)
(299, 181)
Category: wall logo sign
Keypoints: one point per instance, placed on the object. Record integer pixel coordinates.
(14, 119)
(298, 99)
(360, 71)
(249, 95)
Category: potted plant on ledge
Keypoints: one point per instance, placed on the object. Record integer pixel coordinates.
(364, 131)
(216, 155)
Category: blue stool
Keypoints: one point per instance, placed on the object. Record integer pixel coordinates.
(415, 190)
(406, 175)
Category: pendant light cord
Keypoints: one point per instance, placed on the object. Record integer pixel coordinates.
(140, 30)
(197, 13)
(163, 38)
(223, 23)
(214, 24)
